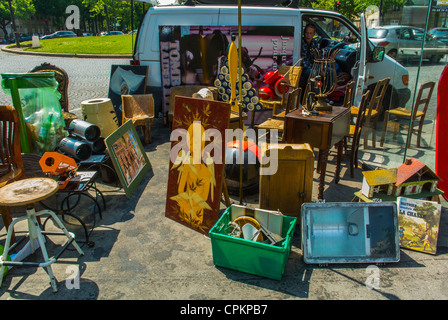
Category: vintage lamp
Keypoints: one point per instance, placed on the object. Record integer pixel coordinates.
(323, 79)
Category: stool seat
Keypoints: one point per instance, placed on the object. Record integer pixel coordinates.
(27, 191)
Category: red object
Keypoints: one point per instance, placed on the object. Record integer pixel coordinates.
(253, 147)
(271, 77)
(281, 86)
(442, 132)
(383, 43)
(266, 93)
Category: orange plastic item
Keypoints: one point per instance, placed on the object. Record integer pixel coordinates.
(56, 164)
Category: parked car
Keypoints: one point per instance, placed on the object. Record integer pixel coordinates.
(23, 38)
(60, 34)
(440, 34)
(115, 33)
(405, 42)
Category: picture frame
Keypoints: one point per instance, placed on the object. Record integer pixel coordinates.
(126, 79)
(195, 176)
(128, 157)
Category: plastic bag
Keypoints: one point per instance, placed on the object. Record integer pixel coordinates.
(40, 108)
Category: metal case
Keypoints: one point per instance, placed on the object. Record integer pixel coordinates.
(350, 233)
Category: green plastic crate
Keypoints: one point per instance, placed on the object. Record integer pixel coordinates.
(249, 256)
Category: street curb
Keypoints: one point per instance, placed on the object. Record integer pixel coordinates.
(69, 55)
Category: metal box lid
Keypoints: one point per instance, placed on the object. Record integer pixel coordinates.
(352, 232)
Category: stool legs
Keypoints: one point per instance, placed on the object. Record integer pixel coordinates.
(35, 233)
(69, 235)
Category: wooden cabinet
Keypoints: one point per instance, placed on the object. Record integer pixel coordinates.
(292, 183)
(321, 131)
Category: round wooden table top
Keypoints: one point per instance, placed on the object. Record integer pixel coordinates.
(27, 191)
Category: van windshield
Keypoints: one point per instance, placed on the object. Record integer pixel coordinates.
(331, 28)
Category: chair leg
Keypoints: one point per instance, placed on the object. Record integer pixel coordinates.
(147, 134)
(62, 227)
(419, 132)
(7, 219)
(352, 166)
(383, 133)
(411, 131)
(366, 128)
(375, 122)
(7, 246)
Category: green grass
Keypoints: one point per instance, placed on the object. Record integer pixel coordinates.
(122, 44)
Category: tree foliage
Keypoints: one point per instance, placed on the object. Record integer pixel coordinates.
(23, 9)
(352, 9)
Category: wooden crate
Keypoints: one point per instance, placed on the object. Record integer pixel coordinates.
(292, 184)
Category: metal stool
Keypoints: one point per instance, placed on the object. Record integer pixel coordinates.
(27, 192)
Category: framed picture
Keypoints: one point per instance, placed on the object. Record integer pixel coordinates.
(128, 156)
(126, 79)
(196, 169)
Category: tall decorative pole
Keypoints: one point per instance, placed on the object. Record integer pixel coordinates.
(235, 65)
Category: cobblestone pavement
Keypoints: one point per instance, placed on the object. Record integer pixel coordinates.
(88, 77)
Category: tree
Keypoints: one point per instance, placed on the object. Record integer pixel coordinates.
(121, 10)
(353, 8)
(23, 9)
(430, 214)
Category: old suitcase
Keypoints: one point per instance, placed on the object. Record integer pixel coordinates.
(292, 183)
(352, 232)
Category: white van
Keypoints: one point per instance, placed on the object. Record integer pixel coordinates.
(183, 44)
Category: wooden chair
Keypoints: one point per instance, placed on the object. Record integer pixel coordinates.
(292, 74)
(11, 163)
(419, 112)
(373, 110)
(355, 134)
(349, 94)
(279, 123)
(61, 77)
(292, 103)
(140, 109)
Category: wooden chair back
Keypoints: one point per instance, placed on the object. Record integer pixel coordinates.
(292, 74)
(61, 77)
(137, 106)
(360, 119)
(293, 100)
(423, 98)
(11, 163)
(376, 100)
(349, 94)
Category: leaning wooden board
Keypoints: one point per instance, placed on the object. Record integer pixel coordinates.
(442, 132)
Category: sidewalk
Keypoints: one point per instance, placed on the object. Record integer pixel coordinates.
(140, 254)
